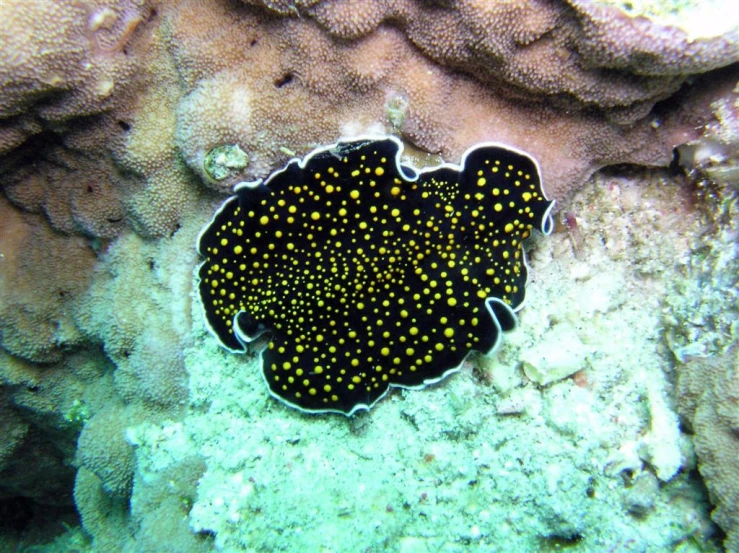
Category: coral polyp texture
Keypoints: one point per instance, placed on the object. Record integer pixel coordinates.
(575, 51)
(369, 273)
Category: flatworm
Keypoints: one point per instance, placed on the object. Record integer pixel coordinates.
(368, 273)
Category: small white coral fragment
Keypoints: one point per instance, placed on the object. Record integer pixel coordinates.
(624, 458)
(559, 354)
(661, 446)
(526, 400)
(503, 376)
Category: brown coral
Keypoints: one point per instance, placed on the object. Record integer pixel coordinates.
(74, 107)
(215, 74)
(575, 50)
(342, 89)
(445, 112)
(708, 392)
(41, 274)
(103, 449)
(68, 61)
(69, 54)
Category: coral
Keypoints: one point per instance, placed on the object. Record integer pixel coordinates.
(104, 517)
(159, 189)
(576, 51)
(41, 275)
(708, 399)
(444, 112)
(143, 338)
(77, 191)
(153, 371)
(69, 55)
(48, 393)
(182, 79)
(138, 309)
(103, 450)
(92, 124)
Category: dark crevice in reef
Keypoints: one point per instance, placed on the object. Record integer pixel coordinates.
(284, 80)
(24, 523)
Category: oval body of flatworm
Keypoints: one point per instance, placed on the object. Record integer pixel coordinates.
(368, 273)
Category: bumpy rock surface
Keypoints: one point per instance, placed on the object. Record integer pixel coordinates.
(708, 389)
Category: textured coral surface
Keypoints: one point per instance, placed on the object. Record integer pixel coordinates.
(709, 399)
(123, 420)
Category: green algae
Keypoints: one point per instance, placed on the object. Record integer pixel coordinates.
(224, 161)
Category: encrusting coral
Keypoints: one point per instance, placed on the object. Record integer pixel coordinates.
(350, 84)
(708, 399)
(109, 111)
(67, 51)
(575, 52)
(43, 272)
(223, 75)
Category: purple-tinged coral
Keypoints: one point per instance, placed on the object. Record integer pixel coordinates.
(41, 274)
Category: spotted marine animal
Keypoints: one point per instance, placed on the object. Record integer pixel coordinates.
(368, 273)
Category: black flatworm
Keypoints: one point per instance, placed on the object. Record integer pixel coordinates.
(368, 273)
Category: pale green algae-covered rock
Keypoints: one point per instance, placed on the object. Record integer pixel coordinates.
(557, 355)
(698, 18)
(702, 318)
(224, 161)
